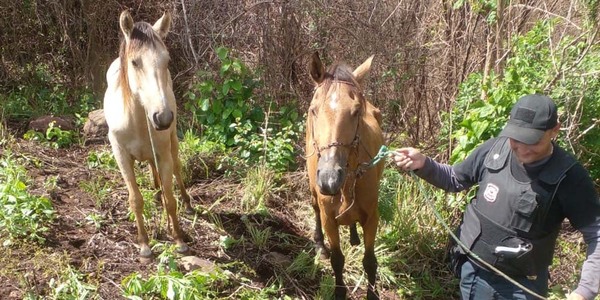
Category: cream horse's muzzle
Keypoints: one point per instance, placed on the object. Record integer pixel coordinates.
(161, 120)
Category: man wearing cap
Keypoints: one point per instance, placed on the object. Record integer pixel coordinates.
(527, 186)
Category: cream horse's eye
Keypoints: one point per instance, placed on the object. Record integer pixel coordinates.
(135, 63)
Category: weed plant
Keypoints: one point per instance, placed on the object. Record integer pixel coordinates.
(170, 283)
(22, 215)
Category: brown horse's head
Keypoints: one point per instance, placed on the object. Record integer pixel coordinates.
(144, 72)
(335, 114)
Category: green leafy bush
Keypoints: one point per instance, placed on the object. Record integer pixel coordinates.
(22, 215)
(72, 285)
(229, 115)
(567, 73)
(219, 102)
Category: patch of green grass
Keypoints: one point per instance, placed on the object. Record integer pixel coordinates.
(45, 275)
(95, 219)
(192, 149)
(258, 237)
(102, 159)
(416, 239)
(304, 265)
(326, 288)
(99, 191)
(259, 184)
(5, 136)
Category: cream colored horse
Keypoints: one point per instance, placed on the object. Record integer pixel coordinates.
(140, 109)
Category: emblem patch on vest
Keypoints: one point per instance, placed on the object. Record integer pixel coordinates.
(491, 192)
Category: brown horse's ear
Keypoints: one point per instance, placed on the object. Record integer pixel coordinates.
(126, 23)
(163, 25)
(317, 70)
(362, 71)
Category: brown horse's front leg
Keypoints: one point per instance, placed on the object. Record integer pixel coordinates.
(337, 263)
(337, 258)
(354, 239)
(318, 233)
(369, 260)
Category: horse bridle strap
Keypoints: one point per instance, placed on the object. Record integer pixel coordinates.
(351, 145)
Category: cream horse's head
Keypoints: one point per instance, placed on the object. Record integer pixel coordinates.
(144, 70)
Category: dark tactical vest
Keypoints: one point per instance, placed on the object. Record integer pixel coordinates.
(509, 213)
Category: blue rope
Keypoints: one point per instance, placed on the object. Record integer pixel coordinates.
(383, 152)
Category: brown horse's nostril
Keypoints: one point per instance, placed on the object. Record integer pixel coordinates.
(162, 120)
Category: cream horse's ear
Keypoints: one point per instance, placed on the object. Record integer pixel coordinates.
(126, 23)
(316, 69)
(163, 25)
(361, 72)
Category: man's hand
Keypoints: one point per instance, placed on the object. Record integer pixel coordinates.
(575, 296)
(408, 159)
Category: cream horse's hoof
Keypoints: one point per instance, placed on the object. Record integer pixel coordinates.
(145, 252)
(182, 248)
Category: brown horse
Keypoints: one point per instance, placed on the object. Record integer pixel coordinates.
(140, 109)
(343, 134)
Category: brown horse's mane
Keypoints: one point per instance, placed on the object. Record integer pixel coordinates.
(142, 35)
(340, 72)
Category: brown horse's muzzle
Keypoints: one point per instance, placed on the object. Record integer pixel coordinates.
(162, 120)
(330, 175)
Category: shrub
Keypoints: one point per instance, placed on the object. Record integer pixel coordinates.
(229, 115)
(567, 74)
(22, 215)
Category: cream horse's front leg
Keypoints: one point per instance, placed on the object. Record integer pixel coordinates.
(178, 173)
(165, 171)
(136, 201)
(177, 169)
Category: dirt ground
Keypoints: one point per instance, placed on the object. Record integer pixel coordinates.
(107, 253)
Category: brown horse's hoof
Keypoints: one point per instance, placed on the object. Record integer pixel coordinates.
(323, 250)
(158, 197)
(340, 293)
(189, 211)
(372, 295)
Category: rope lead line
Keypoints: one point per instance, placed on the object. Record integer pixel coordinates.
(383, 152)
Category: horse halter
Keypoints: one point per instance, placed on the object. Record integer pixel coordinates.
(352, 145)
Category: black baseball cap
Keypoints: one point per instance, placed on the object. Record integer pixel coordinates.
(530, 117)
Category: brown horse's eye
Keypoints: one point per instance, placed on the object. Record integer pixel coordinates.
(135, 63)
(351, 95)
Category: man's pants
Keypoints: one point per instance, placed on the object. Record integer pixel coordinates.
(479, 284)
